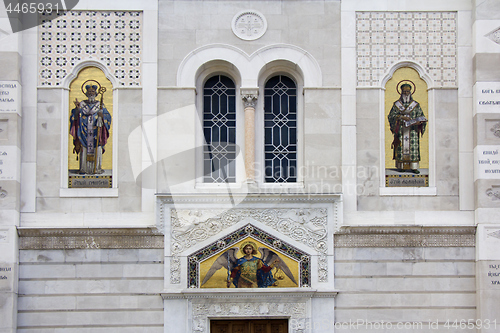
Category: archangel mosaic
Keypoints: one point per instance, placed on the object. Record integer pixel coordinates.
(226, 263)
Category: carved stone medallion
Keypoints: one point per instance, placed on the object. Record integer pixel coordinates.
(249, 25)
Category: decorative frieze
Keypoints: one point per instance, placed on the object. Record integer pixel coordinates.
(53, 239)
(307, 226)
(406, 237)
(295, 311)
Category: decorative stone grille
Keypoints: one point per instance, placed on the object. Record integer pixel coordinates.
(384, 38)
(114, 38)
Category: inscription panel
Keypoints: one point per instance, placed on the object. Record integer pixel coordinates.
(487, 160)
(10, 96)
(487, 97)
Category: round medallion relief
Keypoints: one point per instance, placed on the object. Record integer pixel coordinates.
(249, 25)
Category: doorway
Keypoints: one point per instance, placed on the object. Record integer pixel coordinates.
(249, 326)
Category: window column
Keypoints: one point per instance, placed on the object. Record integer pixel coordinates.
(249, 97)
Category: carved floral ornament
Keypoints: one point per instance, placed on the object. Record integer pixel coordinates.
(249, 25)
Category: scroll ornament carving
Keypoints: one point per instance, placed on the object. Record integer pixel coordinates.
(295, 311)
(496, 130)
(307, 226)
(175, 270)
(493, 193)
(495, 234)
(323, 268)
(3, 193)
(494, 35)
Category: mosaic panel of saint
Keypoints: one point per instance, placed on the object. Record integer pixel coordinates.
(407, 160)
(90, 157)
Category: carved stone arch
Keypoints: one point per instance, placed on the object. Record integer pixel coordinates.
(217, 67)
(88, 63)
(281, 67)
(250, 66)
(411, 64)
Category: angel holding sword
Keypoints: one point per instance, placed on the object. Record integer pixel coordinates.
(249, 271)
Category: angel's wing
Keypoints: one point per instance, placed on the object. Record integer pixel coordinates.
(222, 262)
(268, 257)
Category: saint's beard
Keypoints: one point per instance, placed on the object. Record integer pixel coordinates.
(91, 98)
(406, 98)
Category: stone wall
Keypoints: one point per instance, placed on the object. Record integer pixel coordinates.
(90, 288)
(410, 276)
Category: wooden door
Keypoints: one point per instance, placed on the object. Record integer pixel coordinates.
(249, 326)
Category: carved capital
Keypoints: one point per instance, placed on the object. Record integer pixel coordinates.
(249, 101)
(249, 97)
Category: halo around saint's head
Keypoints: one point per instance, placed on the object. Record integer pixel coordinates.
(250, 243)
(91, 83)
(408, 82)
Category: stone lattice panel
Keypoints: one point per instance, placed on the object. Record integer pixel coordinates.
(384, 38)
(112, 37)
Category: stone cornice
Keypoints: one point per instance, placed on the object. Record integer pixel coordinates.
(273, 293)
(249, 198)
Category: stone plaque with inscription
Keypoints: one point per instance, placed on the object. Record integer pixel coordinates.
(10, 97)
(487, 97)
(487, 160)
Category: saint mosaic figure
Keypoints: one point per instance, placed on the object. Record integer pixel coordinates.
(90, 122)
(407, 123)
(250, 271)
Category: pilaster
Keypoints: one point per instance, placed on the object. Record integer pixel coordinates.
(10, 173)
(486, 101)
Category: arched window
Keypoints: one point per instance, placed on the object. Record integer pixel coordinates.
(280, 126)
(219, 130)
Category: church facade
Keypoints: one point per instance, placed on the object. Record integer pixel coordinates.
(250, 166)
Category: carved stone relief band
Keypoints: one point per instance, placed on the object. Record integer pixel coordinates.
(405, 237)
(222, 304)
(99, 238)
(249, 97)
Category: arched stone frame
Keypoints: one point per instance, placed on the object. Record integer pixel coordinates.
(250, 66)
(206, 71)
(65, 84)
(252, 69)
(286, 68)
(431, 190)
